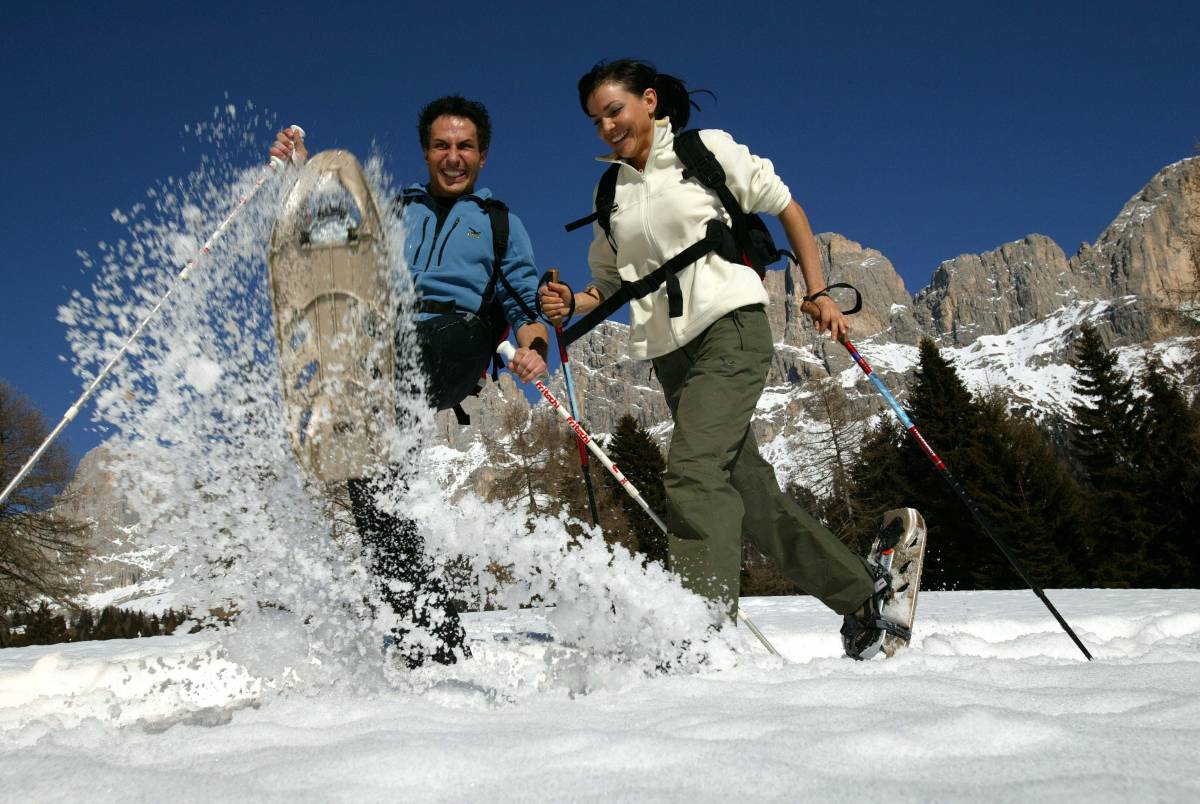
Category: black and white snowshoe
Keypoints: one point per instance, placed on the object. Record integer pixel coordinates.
(896, 559)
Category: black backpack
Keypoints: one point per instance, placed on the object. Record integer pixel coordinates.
(747, 241)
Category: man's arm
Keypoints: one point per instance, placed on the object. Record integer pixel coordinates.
(518, 294)
(530, 360)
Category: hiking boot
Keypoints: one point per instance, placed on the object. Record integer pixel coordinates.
(862, 631)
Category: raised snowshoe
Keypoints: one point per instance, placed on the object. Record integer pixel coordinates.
(333, 318)
(896, 559)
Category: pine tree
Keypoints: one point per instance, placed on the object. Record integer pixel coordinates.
(1170, 477)
(85, 626)
(1107, 431)
(107, 626)
(1029, 499)
(45, 627)
(171, 620)
(1107, 420)
(641, 461)
(951, 420)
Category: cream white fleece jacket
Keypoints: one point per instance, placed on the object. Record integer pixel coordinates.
(658, 214)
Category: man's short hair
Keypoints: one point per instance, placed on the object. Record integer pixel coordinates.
(457, 106)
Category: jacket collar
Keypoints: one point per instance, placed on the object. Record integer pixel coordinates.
(664, 140)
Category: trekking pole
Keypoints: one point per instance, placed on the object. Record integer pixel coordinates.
(507, 352)
(275, 165)
(944, 471)
(552, 274)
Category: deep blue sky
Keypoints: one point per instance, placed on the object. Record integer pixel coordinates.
(922, 130)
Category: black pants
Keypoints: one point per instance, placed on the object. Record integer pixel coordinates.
(454, 351)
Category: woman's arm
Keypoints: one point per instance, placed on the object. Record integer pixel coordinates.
(556, 301)
(824, 312)
(556, 297)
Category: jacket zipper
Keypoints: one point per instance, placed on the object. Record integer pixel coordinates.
(446, 240)
(437, 230)
(650, 240)
(421, 245)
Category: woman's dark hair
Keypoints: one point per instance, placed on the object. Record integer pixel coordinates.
(674, 99)
(455, 106)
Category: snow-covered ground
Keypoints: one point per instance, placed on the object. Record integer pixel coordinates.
(992, 701)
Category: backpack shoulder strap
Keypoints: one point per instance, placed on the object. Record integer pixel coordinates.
(402, 200)
(606, 195)
(700, 163)
(497, 212)
(606, 201)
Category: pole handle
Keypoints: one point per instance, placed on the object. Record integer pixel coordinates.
(278, 163)
(507, 351)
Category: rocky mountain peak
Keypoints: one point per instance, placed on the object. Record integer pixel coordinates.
(1151, 251)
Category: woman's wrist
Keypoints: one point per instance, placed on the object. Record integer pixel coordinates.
(587, 299)
(820, 293)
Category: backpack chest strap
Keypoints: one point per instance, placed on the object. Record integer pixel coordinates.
(718, 239)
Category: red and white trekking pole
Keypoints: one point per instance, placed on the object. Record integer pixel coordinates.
(275, 166)
(507, 351)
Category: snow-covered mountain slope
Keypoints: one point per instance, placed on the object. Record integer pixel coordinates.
(991, 702)
(1027, 362)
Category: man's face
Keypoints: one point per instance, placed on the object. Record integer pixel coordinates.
(453, 156)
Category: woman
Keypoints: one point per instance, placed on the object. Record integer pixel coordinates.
(712, 359)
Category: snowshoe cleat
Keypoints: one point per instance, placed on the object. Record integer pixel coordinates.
(895, 561)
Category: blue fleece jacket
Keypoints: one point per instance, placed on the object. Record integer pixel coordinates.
(453, 262)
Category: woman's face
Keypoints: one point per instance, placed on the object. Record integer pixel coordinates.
(624, 120)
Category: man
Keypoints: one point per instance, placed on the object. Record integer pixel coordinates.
(472, 266)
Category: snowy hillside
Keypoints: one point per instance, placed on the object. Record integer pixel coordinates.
(1027, 361)
(992, 702)
(1029, 364)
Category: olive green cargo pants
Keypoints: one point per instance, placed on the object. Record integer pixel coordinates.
(720, 490)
